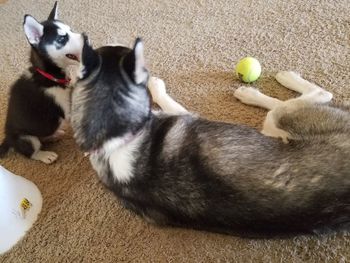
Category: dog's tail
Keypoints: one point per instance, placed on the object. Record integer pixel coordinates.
(4, 148)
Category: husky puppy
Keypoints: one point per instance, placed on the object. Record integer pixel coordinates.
(40, 99)
(178, 169)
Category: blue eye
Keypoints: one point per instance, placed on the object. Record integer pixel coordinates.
(62, 39)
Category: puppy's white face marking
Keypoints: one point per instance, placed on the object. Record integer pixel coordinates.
(61, 32)
(73, 46)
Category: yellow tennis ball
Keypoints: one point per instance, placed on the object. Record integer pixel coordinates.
(248, 69)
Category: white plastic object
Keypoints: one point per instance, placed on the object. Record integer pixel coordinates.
(20, 204)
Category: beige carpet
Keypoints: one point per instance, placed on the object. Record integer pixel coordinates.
(193, 46)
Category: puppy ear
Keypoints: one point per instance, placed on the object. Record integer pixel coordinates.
(54, 12)
(33, 29)
(134, 64)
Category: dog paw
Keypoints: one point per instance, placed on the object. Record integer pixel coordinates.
(157, 88)
(45, 156)
(286, 78)
(246, 94)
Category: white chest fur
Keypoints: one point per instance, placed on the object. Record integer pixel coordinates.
(62, 98)
(121, 155)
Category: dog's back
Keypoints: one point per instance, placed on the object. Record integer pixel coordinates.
(231, 178)
(186, 171)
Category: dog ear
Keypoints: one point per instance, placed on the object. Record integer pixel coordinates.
(134, 63)
(89, 59)
(54, 13)
(33, 29)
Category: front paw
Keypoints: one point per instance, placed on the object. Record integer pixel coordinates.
(45, 157)
(246, 94)
(286, 78)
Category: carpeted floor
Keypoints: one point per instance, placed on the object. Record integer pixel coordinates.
(193, 46)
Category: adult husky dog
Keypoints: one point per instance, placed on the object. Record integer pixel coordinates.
(177, 169)
(40, 99)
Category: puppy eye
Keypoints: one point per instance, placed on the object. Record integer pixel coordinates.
(62, 39)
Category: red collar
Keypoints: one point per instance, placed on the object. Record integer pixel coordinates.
(50, 77)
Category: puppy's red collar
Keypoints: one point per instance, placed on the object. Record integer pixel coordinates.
(50, 77)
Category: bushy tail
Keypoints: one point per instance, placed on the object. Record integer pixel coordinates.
(4, 148)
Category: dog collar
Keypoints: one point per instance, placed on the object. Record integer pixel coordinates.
(50, 77)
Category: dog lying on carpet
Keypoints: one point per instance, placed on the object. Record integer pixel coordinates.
(173, 168)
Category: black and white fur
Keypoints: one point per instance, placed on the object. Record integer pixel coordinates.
(177, 169)
(38, 107)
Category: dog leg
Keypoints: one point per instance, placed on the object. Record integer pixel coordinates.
(159, 95)
(310, 91)
(291, 80)
(30, 147)
(310, 94)
(270, 128)
(251, 96)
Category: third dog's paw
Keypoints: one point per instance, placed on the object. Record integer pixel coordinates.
(287, 77)
(45, 156)
(157, 88)
(246, 94)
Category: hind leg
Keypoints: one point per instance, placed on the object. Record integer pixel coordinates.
(310, 94)
(30, 147)
(251, 96)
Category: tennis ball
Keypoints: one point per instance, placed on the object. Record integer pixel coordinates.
(248, 69)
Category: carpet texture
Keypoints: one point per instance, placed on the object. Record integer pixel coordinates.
(193, 46)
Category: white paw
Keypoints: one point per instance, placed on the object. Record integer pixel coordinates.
(287, 78)
(247, 95)
(279, 134)
(45, 156)
(157, 88)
